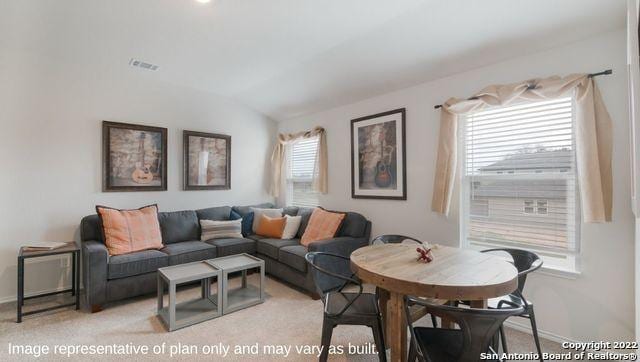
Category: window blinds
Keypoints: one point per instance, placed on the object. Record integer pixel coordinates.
(519, 176)
(303, 157)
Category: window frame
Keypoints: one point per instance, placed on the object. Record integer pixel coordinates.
(555, 263)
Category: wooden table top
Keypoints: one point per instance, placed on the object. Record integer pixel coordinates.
(454, 274)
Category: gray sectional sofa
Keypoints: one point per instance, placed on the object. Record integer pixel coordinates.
(110, 278)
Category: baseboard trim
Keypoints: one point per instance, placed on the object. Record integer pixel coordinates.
(14, 298)
(525, 328)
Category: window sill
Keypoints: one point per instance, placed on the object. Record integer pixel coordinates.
(559, 272)
(548, 268)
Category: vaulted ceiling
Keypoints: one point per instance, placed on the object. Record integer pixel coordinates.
(287, 58)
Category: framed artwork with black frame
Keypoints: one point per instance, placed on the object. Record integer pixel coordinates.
(378, 161)
(134, 157)
(207, 161)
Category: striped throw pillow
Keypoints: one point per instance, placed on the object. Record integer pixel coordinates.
(212, 229)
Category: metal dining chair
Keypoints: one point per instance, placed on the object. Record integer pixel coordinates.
(342, 307)
(478, 328)
(392, 239)
(417, 311)
(525, 262)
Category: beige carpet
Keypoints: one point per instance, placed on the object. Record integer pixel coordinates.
(286, 318)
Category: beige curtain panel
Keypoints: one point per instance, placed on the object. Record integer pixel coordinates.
(593, 137)
(278, 159)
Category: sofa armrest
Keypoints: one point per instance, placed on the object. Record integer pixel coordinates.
(342, 245)
(95, 259)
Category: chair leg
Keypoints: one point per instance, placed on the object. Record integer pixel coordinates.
(413, 354)
(534, 329)
(503, 338)
(434, 321)
(378, 337)
(495, 342)
(327, 331)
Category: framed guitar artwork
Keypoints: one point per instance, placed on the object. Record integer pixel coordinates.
(378, 162)
(134, 157)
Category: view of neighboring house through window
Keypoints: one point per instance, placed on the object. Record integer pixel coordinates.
(519, 184)
(302, 159)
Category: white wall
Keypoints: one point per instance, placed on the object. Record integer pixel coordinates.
(597, 305)
(637, 281)
(51, 108)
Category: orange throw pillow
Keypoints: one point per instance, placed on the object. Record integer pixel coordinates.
(271, 226)
(127, 231)
(322, 225)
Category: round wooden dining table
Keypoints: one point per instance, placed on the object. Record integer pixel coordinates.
(454, 274)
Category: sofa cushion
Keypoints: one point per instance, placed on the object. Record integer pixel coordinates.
(140, 262)
(243, 210)
(233, 246)
(271, 247)
(179, 226)
(354, 225)
(305, 212)
(188, 251)
(255, 237)
(290, 210)
(218, 213)
(293, 256)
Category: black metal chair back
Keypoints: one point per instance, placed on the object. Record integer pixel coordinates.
(324, 264)
(392, 239)
(525, 261)
(478, 327)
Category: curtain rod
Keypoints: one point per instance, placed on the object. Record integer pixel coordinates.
(604, 72)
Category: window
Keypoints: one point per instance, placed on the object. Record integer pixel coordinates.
(535, 206)
(528, 207)
(519, 183)
(302, 159)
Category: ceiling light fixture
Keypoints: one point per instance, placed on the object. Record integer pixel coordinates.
(203, 1)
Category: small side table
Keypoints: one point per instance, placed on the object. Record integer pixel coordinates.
(180, 315)
(246, 295)
(70, 248)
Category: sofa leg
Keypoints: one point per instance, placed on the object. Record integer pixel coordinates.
(95, 308)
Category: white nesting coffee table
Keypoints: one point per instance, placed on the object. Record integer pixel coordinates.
(246, 295)
(176, 316)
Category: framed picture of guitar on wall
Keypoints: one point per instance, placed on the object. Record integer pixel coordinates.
(378, 163)
(207, 161)
(134, 157)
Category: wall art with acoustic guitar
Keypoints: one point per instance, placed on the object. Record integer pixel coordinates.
(134, 157)
(378, 164)
(207, 161)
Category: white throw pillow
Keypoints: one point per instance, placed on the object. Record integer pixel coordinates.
(291, 226)
(257, 214)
